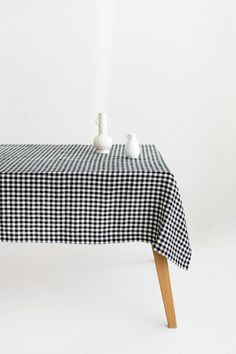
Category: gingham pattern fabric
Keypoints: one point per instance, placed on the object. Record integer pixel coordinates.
(72, 194)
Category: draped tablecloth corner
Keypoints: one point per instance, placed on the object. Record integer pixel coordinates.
(72, 194)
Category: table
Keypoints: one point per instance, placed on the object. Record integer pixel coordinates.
(72, 194)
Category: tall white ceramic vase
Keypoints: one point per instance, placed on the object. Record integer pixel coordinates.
(132, 148)
(103, 141)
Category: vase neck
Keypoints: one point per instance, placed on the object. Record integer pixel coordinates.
(102, 126)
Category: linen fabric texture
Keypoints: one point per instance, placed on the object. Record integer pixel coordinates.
(72, 194)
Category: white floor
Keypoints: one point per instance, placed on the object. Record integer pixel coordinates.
(66, 299)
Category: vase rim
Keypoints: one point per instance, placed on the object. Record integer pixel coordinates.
(102, 114)
(131, 134)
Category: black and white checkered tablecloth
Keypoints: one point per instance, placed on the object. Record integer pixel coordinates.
(72, 194)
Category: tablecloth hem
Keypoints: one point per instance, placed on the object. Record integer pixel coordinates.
(93, 242)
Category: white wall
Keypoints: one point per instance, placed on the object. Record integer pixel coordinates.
(163, 69)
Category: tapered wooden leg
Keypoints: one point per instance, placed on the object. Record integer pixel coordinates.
(164, 280)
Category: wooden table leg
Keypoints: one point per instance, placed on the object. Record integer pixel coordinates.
(164, 280)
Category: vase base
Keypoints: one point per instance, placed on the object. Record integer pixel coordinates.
(103, 151)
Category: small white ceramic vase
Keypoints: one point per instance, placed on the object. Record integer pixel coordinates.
(103, 142)
(132, 148)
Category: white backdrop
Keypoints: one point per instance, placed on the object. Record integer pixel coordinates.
(165, 70)
(162, 69)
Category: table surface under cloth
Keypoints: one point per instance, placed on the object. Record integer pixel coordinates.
(72, 194)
